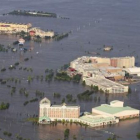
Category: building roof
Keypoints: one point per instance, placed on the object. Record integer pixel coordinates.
(14, 23)
(113, 110)
(134, 70)
(45, 101)
(67, 106)
(116, 101)
(96, 118)
(103, 82)
(44, 118)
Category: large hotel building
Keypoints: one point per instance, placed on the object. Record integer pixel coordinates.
(48, 112)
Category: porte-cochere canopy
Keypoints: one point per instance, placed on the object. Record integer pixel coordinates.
(44, 119)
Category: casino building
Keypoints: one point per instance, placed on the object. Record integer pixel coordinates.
(49, 112)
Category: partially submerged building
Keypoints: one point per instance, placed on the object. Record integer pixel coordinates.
(101, 115)
(7, 27)
(38, 32)
(98, 120)
(105, 85)
(49, 112)
(133, 71)
(102, 71)
(116, 109)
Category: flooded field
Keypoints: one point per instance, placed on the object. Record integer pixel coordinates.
(93, 23)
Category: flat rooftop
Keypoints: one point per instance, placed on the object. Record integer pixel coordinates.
(104, 82)
(67, 106)
(113, 110)
(96, 118)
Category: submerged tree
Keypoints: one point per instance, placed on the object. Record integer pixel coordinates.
(138, 135)
(66, 134)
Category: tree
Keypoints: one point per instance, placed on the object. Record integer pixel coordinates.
(129, 90)
(109, 139)
(74, 137)
(138, 135)
(71, 121)
(113, 138)
(99, 99)
(127, 75)
(63, 100)
(66, 133)
(84, 83)
(89, 61)
(106, 100)
(91, 87)
(29, 79)
(95, 99)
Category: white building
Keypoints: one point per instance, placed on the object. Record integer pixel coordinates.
(105, 84)
(133, 71)
(116, 109)
(98, 120)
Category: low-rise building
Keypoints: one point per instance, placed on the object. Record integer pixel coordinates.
(112, 73)
(38, 32)
(105, 85)
(133, 71)
(116, 109)
(101, 72)
(6, 27)
(98, 120)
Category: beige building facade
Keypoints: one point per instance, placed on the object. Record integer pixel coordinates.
(6, 27)
(57, 112)
(42, 33)
(106, 85)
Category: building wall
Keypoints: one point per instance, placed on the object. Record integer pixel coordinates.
(114, 89)
(113, 62)
(13, 27)
(127, 114)
(101, 122)
(120, 115)
(123, 62)
(115, 70)
(61, 112)
(103, 60)
(42, 33)
(118, 77)
(116, 103)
